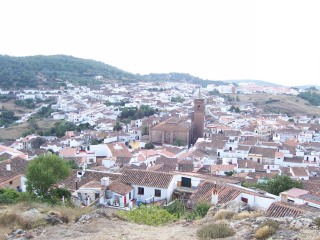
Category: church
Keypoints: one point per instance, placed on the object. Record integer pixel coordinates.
(175, 128)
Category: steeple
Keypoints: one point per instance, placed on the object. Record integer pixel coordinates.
(199, 94)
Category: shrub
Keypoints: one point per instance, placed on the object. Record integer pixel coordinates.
(271, 223)
(149, 215)
(224, 215)
(246, 214)
(202, 209)
(213, 231)
(176, 208)
(264, 232)
(10, 219)
(267, 229)
(199, 211)
(317, 221)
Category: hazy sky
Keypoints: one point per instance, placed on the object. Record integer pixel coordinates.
(271, 40)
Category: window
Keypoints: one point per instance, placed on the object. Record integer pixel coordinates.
(129, 195)
(140, 191)
(157, 193)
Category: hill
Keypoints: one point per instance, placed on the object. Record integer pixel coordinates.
(286, 104)
(257, 82)
(179, 77)
(53, 71)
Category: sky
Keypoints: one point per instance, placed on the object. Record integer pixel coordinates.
(271, 40)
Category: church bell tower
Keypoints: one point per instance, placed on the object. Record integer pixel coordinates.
(198, 117)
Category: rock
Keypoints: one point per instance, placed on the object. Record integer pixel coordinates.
(53, 218)
(19, 234)
(31, 214)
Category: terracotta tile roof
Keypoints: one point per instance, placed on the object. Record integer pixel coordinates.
(146, 178)
(172, 124)
(246, 164)
(312, 185)
(165, 160)
(259, 175)
(123, 160)
(88, 176)
(293, 159)
(265, 152)
(68, 152)
(92, 184)
(119, 149)
(119, 187)
(243, 148)
(166, 153)
(282, 209)
(18, 166)
(311, 198)
(296, 192)
(222, 167)
(204, 190)
(299, 171)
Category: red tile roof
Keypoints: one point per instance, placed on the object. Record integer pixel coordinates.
(146, 178)
(119, 187)
(204, 190)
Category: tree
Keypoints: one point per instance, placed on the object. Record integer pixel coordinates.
(279, 184)
(117, 127)
(149, 146)
(177, 142)
(45, 171)
(145, 130)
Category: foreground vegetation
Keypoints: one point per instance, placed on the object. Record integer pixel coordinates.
(154, 215)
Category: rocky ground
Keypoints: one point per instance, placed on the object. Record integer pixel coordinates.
(104, 224)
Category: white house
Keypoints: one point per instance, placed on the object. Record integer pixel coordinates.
(149, 186)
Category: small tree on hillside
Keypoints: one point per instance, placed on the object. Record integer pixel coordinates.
(45, 171)
(279, 184)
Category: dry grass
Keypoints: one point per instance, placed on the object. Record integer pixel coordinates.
(264, 232)
(246, 214)
(12, 216)
(15, 131)
(70, 214)
(224, 215)
(286, 103)
(216, 230)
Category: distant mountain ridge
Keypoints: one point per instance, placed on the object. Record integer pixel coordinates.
(31, 71)
(257, 82)
(52, 71)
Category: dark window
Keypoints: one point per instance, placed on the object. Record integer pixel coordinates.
(129, 195)
(245, 200)
(186, 182)
(96, 196)
(157, 193)
(140, 191)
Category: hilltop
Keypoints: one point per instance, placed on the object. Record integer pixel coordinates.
(53, 71)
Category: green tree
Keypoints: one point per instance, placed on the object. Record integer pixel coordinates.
(279, 184)
(149, 146)
(145, 130)
(45, 171)
(117, 127)
(178, 142)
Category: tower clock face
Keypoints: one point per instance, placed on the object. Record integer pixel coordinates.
(199, 107)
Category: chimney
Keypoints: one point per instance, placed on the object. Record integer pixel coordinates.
(214, 196)
(284, 197)
(105, 181)
(8, 165)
